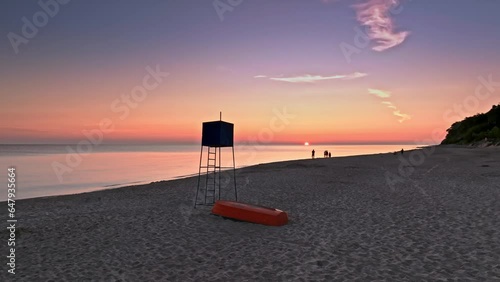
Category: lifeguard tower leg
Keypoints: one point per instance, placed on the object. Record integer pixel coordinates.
(234, 177)
(199, 175)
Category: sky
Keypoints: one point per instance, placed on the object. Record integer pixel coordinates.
(317, 71)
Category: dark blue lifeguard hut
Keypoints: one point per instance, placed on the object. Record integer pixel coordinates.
(215, 135)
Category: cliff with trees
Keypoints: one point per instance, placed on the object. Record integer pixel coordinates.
(478, 129)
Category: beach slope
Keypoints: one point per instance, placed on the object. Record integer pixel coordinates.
(427, 214)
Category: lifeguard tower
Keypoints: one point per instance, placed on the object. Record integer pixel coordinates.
(215, 135)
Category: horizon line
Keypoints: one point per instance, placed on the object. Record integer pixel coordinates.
(235, 143)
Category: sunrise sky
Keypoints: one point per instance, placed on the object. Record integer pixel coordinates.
(367, 71)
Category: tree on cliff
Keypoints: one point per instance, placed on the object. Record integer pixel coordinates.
(480, 127)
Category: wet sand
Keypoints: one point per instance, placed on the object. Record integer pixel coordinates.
(426, 215)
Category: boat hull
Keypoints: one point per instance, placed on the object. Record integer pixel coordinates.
(250, 213)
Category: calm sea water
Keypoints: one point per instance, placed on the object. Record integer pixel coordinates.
(47, 170)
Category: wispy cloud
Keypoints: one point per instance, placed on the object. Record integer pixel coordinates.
(389, 105)
(307, 78)
(379, 93)
(402, 117)
(260, 76)
(376, 15)
(383, 94)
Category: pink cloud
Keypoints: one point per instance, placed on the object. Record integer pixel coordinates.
(376, 15)
(307, 78)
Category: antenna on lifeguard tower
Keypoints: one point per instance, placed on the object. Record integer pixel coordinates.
(215, 135)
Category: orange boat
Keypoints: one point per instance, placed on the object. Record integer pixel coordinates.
(250, 213)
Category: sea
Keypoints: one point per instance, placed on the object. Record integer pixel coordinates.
(50, 170)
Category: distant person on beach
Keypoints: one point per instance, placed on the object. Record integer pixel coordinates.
(329, 154)
(325, 154)
(313, 153)
(402, 151)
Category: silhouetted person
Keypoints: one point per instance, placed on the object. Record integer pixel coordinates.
(313, 153)
(329, 154)
(402, 151)
(325, 154)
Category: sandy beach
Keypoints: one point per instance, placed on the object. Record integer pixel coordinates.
(366, 218)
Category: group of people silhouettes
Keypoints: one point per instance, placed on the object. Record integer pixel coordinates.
(326, 154)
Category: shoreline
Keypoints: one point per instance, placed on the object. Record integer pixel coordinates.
(184, 176)
(41, 180)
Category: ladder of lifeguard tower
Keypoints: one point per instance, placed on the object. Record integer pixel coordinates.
(212, 180)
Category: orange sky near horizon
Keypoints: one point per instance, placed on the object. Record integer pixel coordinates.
(173, 112)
